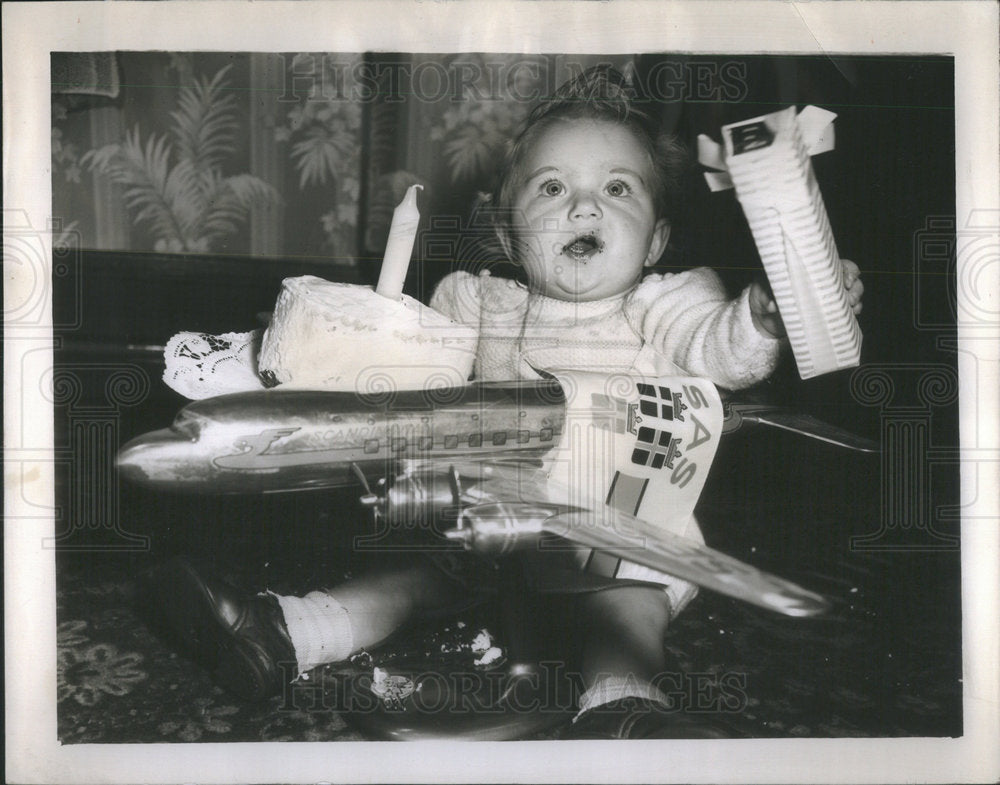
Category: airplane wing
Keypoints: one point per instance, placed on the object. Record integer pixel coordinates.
(687, 559)
(739, 414)
(510, 507)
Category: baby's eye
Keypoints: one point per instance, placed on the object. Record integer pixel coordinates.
(618, 188)
(552, 188)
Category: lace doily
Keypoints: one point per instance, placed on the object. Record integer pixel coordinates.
(199, 365)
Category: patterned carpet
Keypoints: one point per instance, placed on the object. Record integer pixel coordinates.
(886, 661)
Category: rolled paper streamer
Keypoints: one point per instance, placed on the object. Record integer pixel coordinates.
(766, 160)
(399, 246)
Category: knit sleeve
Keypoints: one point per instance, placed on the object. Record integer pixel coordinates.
(457, 296)
(689, 319)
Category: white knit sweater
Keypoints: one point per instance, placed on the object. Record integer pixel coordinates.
(668, 324)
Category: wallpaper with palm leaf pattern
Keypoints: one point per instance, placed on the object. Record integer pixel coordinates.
(284, 154)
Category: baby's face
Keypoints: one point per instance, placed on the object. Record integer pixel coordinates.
(585, 221)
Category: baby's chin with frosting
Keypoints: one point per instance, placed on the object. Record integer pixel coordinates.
(583, 269)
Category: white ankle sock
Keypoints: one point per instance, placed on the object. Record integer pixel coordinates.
(320, 629)
(612, 688)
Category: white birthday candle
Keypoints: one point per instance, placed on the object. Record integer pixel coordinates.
(399, 246)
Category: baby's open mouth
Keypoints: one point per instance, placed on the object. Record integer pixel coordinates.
(583, 247)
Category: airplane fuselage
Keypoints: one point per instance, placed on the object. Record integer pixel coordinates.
(285, 440)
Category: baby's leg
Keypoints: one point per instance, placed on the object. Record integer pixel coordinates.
(622, 642)
(331, 625)
(623, 660)
(253, 644)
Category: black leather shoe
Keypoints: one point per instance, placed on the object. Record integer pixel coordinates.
(638, 718)
(241, 638)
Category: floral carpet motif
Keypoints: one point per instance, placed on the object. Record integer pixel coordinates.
(121, 680)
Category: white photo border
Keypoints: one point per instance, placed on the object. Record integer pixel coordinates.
(966, 29)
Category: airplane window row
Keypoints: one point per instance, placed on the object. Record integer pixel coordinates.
(453, 441)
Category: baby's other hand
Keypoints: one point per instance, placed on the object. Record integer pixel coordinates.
(764, 309)
(852, 282)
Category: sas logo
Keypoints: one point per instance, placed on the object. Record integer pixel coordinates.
(655, 401)
(656, 445)
(656, 448)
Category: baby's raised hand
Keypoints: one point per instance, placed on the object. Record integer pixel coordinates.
(764, 309)
(852, 282)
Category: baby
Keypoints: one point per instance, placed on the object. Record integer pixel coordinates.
(588, 195)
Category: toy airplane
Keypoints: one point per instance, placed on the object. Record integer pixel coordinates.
(614, 464)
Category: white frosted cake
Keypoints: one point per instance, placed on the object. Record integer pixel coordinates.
(335, 336)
